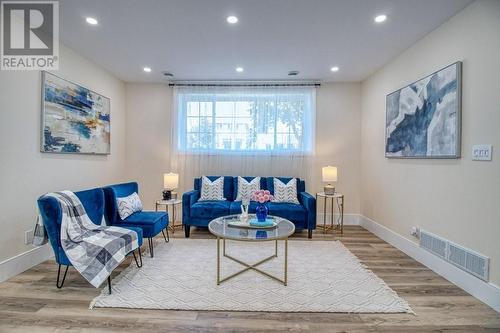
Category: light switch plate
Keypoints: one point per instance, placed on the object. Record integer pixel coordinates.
(481, 152)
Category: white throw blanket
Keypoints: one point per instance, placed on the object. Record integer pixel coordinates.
(94, 250)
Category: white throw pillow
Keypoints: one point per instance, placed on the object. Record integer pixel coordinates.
(212, 190)
(128, 205)
(247, 188)
(285, 192)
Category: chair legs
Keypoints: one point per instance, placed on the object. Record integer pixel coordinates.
(140, 257)
(310, 233)
(151, 247)
(60, 284)
(167, 238)
(187, 230)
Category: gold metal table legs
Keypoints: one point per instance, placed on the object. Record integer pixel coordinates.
(334, 225)
(172, 226)
(251, 266)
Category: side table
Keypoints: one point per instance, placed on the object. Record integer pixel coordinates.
(170, 203)
(337, 198)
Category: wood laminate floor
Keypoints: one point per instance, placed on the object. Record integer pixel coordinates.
(30, 302)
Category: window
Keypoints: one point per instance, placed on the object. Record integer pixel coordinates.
(228, 120)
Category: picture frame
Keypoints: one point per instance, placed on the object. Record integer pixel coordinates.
(74, 118)
(423, 119)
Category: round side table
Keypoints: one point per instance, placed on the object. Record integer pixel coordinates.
(334, 225)
(170, 203)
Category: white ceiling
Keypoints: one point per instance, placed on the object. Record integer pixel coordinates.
(192, 39)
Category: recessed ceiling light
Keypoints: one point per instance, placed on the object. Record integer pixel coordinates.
(91, 20)
(334, 69)
(147, 69)
(380, 18)
(232, 19)
(239, 69)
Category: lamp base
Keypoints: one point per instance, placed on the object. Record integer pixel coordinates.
(167, 195)
(329, 189)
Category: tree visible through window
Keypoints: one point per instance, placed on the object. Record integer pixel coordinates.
(246, 121)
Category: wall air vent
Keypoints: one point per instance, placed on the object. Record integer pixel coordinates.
(433, 243)
(468, 260)
(465, 259)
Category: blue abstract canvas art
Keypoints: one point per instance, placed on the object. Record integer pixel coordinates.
(423, 118)
(74, 118)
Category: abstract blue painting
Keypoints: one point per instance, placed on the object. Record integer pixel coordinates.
(74, 118)
(423, 118)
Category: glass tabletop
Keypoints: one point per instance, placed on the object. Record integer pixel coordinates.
(220, 228)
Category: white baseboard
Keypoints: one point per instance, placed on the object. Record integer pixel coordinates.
(484, 291)
(349, 219)
(24, 261)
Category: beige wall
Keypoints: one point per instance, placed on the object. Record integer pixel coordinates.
(338, 139)
(457, 199)
(148, 137)
(25, 173)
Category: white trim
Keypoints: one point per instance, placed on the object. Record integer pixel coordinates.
(24, 261)
(486, 292)
(349, 219)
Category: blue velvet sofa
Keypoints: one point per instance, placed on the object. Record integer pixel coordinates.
(200, 213)
(50, 210)
(151, 223)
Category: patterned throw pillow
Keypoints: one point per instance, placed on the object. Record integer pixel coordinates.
(285, 192)
(247, 188)
(128, 205)
(212, 190)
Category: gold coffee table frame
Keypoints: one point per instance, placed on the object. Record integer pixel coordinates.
(221, 236)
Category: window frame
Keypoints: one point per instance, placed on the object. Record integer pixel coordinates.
(307, 95)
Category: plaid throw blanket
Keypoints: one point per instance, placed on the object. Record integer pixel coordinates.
(93, 250)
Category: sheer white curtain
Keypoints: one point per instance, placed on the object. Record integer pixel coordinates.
(242, 130)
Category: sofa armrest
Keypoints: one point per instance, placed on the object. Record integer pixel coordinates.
(309, 203)
(188, 199)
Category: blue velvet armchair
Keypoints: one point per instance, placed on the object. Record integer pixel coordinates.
(151, 223)
(200, 213)
(50, 210)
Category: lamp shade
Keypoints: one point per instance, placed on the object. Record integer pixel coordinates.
(170, 180)
(329, 174)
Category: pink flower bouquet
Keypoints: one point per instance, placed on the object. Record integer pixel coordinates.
(262, 196)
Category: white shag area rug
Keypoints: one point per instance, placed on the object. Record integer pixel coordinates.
(323, 276)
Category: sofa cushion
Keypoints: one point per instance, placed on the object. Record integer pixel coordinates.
(246, 188)
(301, 185)
(151, 223)
(292, 212)
(212, 189)
(263, 184)
(285, 192)
(128, 205)
(210, 209)
(228, 185)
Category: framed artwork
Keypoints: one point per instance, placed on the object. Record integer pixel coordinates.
(423, 119)
(75, 119)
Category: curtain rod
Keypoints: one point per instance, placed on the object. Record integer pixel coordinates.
(244, 84)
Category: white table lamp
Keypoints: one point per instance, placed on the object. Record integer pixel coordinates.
(170, 182)
(329, 175)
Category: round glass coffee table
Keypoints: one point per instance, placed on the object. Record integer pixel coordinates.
(220, 227)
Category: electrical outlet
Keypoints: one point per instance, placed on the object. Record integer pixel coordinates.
(415, 232)
(28, 237)
(481, 152)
